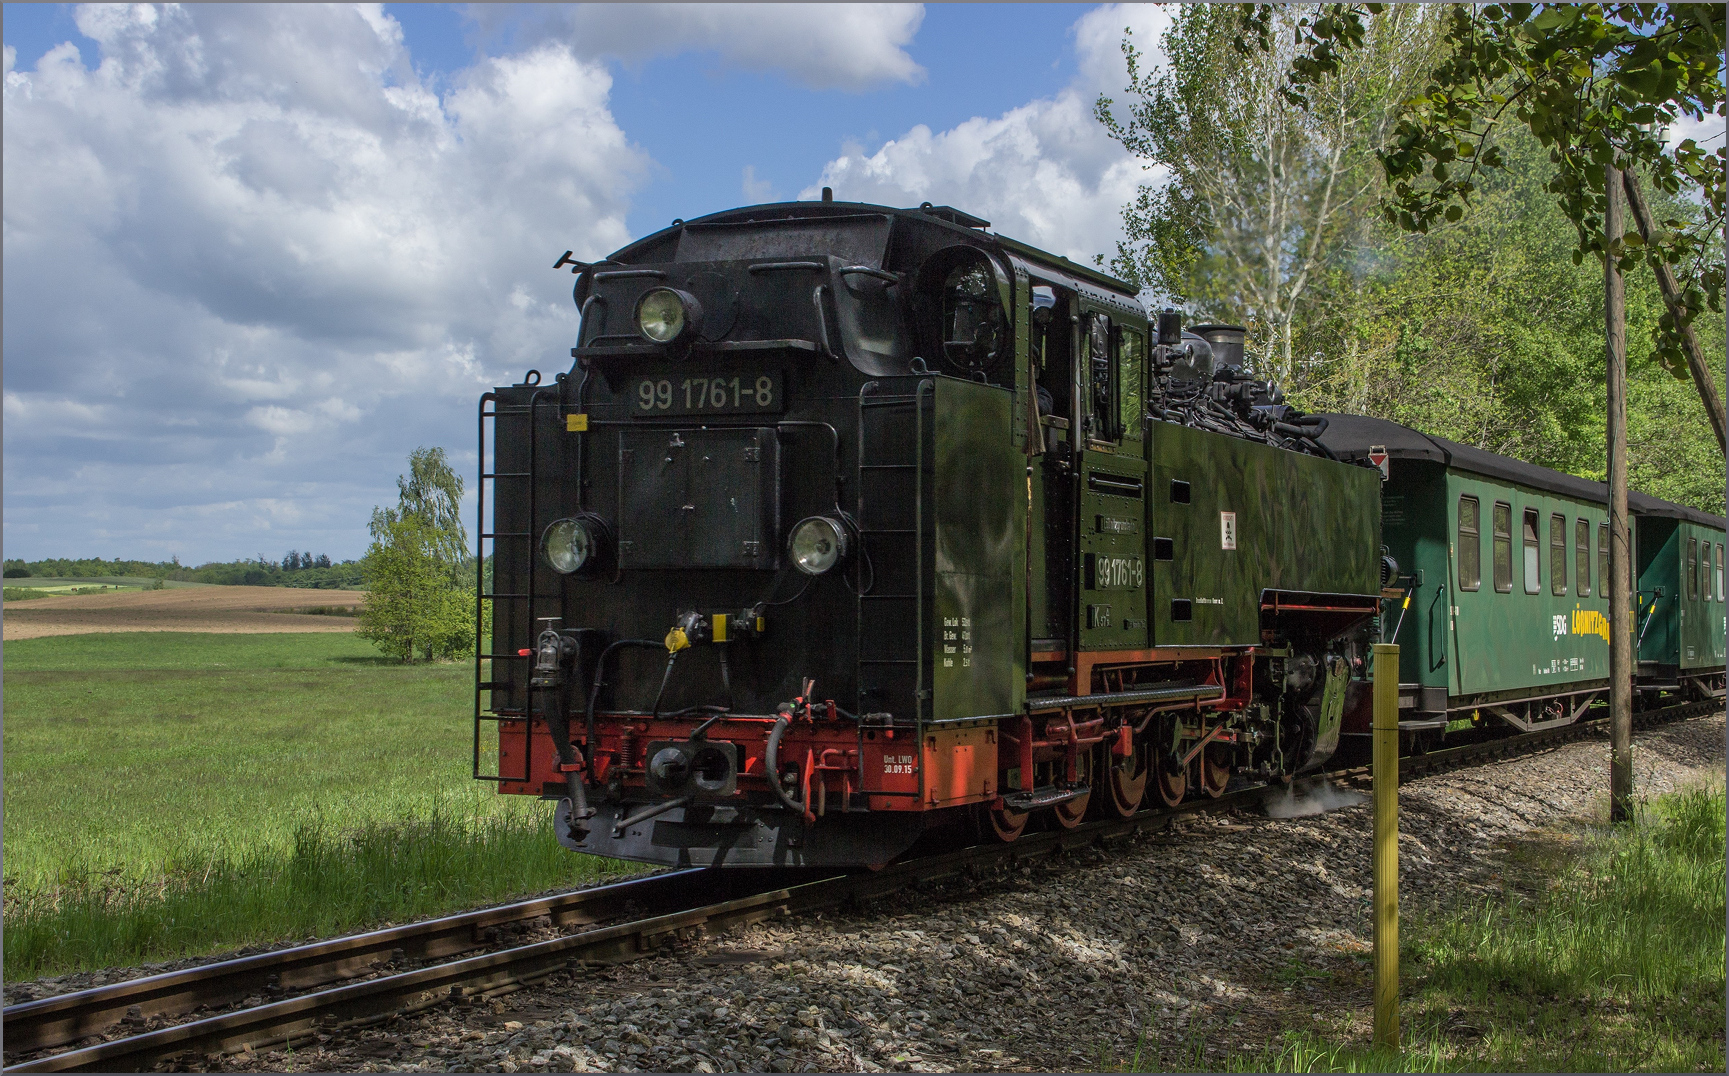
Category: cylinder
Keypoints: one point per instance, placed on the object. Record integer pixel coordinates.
(1385, 728)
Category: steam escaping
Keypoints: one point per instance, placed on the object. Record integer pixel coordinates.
(1301, 799)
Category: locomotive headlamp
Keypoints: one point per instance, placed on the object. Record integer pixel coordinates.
(570, 544)
(817, 544)
(667, 315)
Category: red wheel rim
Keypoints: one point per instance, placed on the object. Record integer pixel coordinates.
(1171, 786)
(1127, 781)
(1007, 824)
(1073, 812)
(1215, 763)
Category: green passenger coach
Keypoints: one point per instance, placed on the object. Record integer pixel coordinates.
(1679, 553)
(1501, 607)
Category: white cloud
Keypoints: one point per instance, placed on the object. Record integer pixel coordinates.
(825, 46)
(1045, 172)
(250, 251)
(755, 190)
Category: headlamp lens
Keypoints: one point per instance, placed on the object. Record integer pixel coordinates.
(817, 544)
(660, 315)
(568, 545)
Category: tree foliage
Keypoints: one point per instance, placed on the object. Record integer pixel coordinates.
(430, 494)
(413, 609)
(1262, 197)
(1598, 85)
(420, 600)
(1482, 329)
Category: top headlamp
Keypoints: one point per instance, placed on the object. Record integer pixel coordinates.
(667, 315)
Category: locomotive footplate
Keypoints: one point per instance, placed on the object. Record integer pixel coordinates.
(712, 835)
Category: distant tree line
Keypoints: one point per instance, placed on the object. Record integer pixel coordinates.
(296, 569)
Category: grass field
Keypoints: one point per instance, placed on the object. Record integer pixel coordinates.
(180, 793)
(1617, 965)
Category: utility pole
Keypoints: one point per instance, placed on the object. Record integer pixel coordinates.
(1703, 377)
(1620, 545)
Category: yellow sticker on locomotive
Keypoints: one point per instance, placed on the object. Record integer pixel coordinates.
(576, 423)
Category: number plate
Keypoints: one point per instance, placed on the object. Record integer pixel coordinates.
(733, 394)
(1114, 573)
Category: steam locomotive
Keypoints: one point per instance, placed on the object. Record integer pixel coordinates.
(850, 524)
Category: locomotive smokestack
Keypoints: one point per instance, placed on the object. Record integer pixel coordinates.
(828, 194)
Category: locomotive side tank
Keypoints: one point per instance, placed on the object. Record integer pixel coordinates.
(851, 522)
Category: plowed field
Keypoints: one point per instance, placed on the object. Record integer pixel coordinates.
(249, 610)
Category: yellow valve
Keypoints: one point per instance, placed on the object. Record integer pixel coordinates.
(676, 640)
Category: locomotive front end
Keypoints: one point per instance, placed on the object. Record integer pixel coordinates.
(677, 554)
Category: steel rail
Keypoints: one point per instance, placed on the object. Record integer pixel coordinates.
(358, 1004)
(65, 1018)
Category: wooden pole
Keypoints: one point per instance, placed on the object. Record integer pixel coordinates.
(1385, 772)
(1620, 545)
(1704, 378)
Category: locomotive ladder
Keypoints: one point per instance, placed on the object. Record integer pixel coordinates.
(888, 621)
(523, 568)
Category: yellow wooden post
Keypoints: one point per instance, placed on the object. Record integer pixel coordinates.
(1386, 898)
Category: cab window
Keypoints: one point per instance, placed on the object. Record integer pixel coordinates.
(1557, 554)
(1131, 364)
(1582, 556)
(1101, 418)
(1470, 545)
(1503, 547)
(1533, 553)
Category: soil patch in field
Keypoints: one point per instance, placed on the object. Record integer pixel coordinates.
(250, 610)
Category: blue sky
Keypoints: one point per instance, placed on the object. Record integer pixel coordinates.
(255, 254)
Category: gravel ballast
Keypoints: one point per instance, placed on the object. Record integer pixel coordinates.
(1187, 943)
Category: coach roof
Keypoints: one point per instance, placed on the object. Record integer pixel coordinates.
(1351, 437)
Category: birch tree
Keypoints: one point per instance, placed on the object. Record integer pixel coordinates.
(1261, 197)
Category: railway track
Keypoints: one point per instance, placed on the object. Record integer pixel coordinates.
(625, 920)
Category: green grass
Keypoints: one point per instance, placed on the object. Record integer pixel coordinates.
(1617, 966)
(24, 594)
(173, 793)
(1613, 961)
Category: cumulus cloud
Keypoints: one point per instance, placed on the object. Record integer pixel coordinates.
(251, 261)
(1045, 172)
(825, 46)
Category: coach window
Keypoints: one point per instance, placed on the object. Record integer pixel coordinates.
(1692, 569)
(1470, 545)
(1558, 554)
(1603, 558)
(1533, 553)
(1719, 571)
(1582, 556)
(1503, 547)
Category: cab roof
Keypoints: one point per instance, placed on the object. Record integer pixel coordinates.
(942, 217)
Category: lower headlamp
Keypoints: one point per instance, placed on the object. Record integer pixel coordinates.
(570, 545)
(817, 544)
